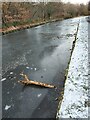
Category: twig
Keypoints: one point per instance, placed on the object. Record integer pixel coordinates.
(26, 81)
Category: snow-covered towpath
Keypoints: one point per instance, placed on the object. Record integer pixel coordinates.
(75, 99)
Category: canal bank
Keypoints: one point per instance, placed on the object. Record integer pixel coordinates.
(27, 26)
(75, 99)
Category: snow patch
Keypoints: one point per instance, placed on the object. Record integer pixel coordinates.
(39, 95)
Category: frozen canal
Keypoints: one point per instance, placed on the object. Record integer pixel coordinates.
(42, 53)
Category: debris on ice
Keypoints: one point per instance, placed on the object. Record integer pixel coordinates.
(35, 69)
(7, 107)
(27, 67)
(11, 73)
(3, 79)
(39, 95)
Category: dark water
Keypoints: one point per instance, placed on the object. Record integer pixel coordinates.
(42, 53)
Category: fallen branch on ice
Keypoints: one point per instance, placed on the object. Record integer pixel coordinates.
(26, 81)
